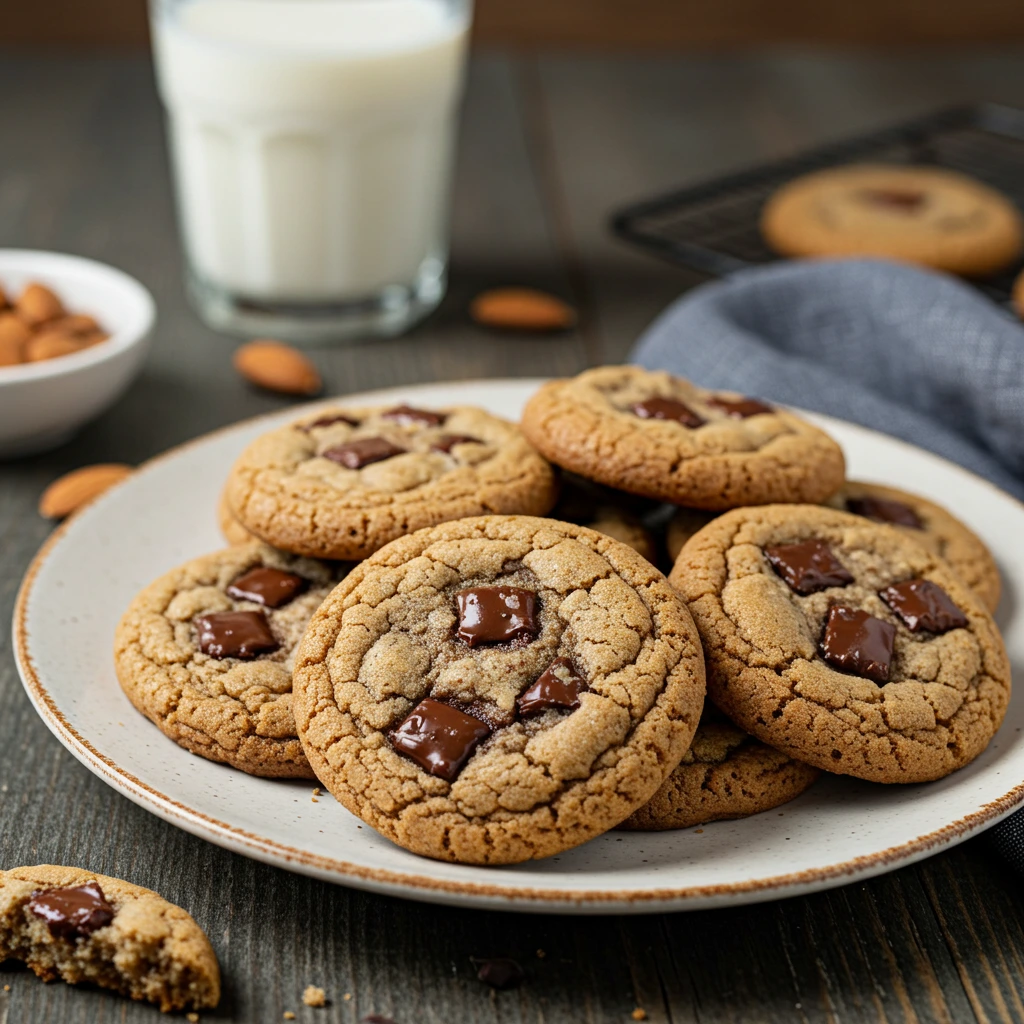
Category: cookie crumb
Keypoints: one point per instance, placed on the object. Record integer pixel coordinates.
(347, 996)
(698, 831)
(7, 988)
(316, 791)
(541, 954)
(192, 1018)
(314, 800)
(639, 1014)
(314, 996)
(288, 1015)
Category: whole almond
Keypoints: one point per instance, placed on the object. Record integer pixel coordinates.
(521, 309)
(14, 336)
(277, 367)
(70, 492)
(78, 323)
(37, 304)
(50, 343)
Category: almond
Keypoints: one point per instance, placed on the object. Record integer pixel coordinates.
(522, 309)
(50, 343)
(38, 304)
(13, 330)
(78, 323)
(277, 367)
(70, 492)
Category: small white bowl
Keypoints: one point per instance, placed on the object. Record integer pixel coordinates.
(43, 404)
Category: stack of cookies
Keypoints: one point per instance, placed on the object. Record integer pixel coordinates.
(396, 618)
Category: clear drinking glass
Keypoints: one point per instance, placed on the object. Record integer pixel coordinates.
(312, 149)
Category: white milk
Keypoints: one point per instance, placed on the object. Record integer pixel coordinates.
(312, 140)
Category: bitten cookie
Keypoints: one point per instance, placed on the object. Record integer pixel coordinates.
(918, 214)
(498, 689)
(662, 437)
(342, 483)
(83, 927)
(843, 643)
(205, 653)
(726, 773)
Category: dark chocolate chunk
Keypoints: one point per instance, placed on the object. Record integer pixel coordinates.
(270, 587)
(885, 510)
(667, 409)
(235, 634)
(857, 642)
(328, 421)
(73, 913)
(446, 442)
(407, 415)
(496, 615)
(438, 737)
(499, 971)
(900, 200)
(739, 408)
(359, 453)
(923, 605)
(559, 686)
(808, 566)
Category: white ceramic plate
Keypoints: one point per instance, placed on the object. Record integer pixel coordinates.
(841, 829)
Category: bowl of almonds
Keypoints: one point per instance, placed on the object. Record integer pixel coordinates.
(73, 335)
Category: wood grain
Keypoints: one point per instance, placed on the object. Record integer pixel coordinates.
(548, 146)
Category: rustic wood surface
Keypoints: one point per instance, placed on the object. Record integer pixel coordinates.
(548, 146)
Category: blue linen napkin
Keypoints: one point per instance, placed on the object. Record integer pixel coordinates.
(900, 349)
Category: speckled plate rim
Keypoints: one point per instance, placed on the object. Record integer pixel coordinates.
(433, 890)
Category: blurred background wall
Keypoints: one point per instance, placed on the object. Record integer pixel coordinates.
(608, 23)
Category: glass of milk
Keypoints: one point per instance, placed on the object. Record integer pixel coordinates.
(312, 149)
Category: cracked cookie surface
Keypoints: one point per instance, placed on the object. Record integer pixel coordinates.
(113, 934)
(343, 482)
(930, 710)
(573, 723)
(656, 435)
(726, 773)
(920, 519)
(232, 709)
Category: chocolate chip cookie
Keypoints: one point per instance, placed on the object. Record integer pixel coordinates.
(844, 643)
(206, 652)
(342, 483)
(664, 438)
(498, 689)
(726, 773)
(231, 529)
(82, 927)
(918, 214)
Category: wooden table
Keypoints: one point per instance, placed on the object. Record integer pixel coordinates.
(549, 145)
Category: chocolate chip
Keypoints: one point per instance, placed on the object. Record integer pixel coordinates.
(923, 605)
(559, 687)
(446, 442)
(407, 415)
(235, 634)
(897, 199)
(328, 421)
(739, 408)
(808, 566)
(72, 913)
(356, 454)
(499, 971)
(667, 409)
(438, 737)
(496, 615)
(269, 587)
(857, 642)
(885, 510)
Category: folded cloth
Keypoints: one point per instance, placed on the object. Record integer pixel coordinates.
(906, 351)
(903, 350)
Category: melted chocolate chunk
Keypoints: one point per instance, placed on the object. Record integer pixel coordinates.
(235, 634)
(269, 587)
(899, 200)
(73, 913)
(740, 408)
(808, 566)
(407, 415)
(923, 605)
(328, 421)
(446, 442)
(558, 687)
(667, 409)
(438, 737)
(356, 454)
(496, 615)
(857, 642)
(499, 971)
(885, 510)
